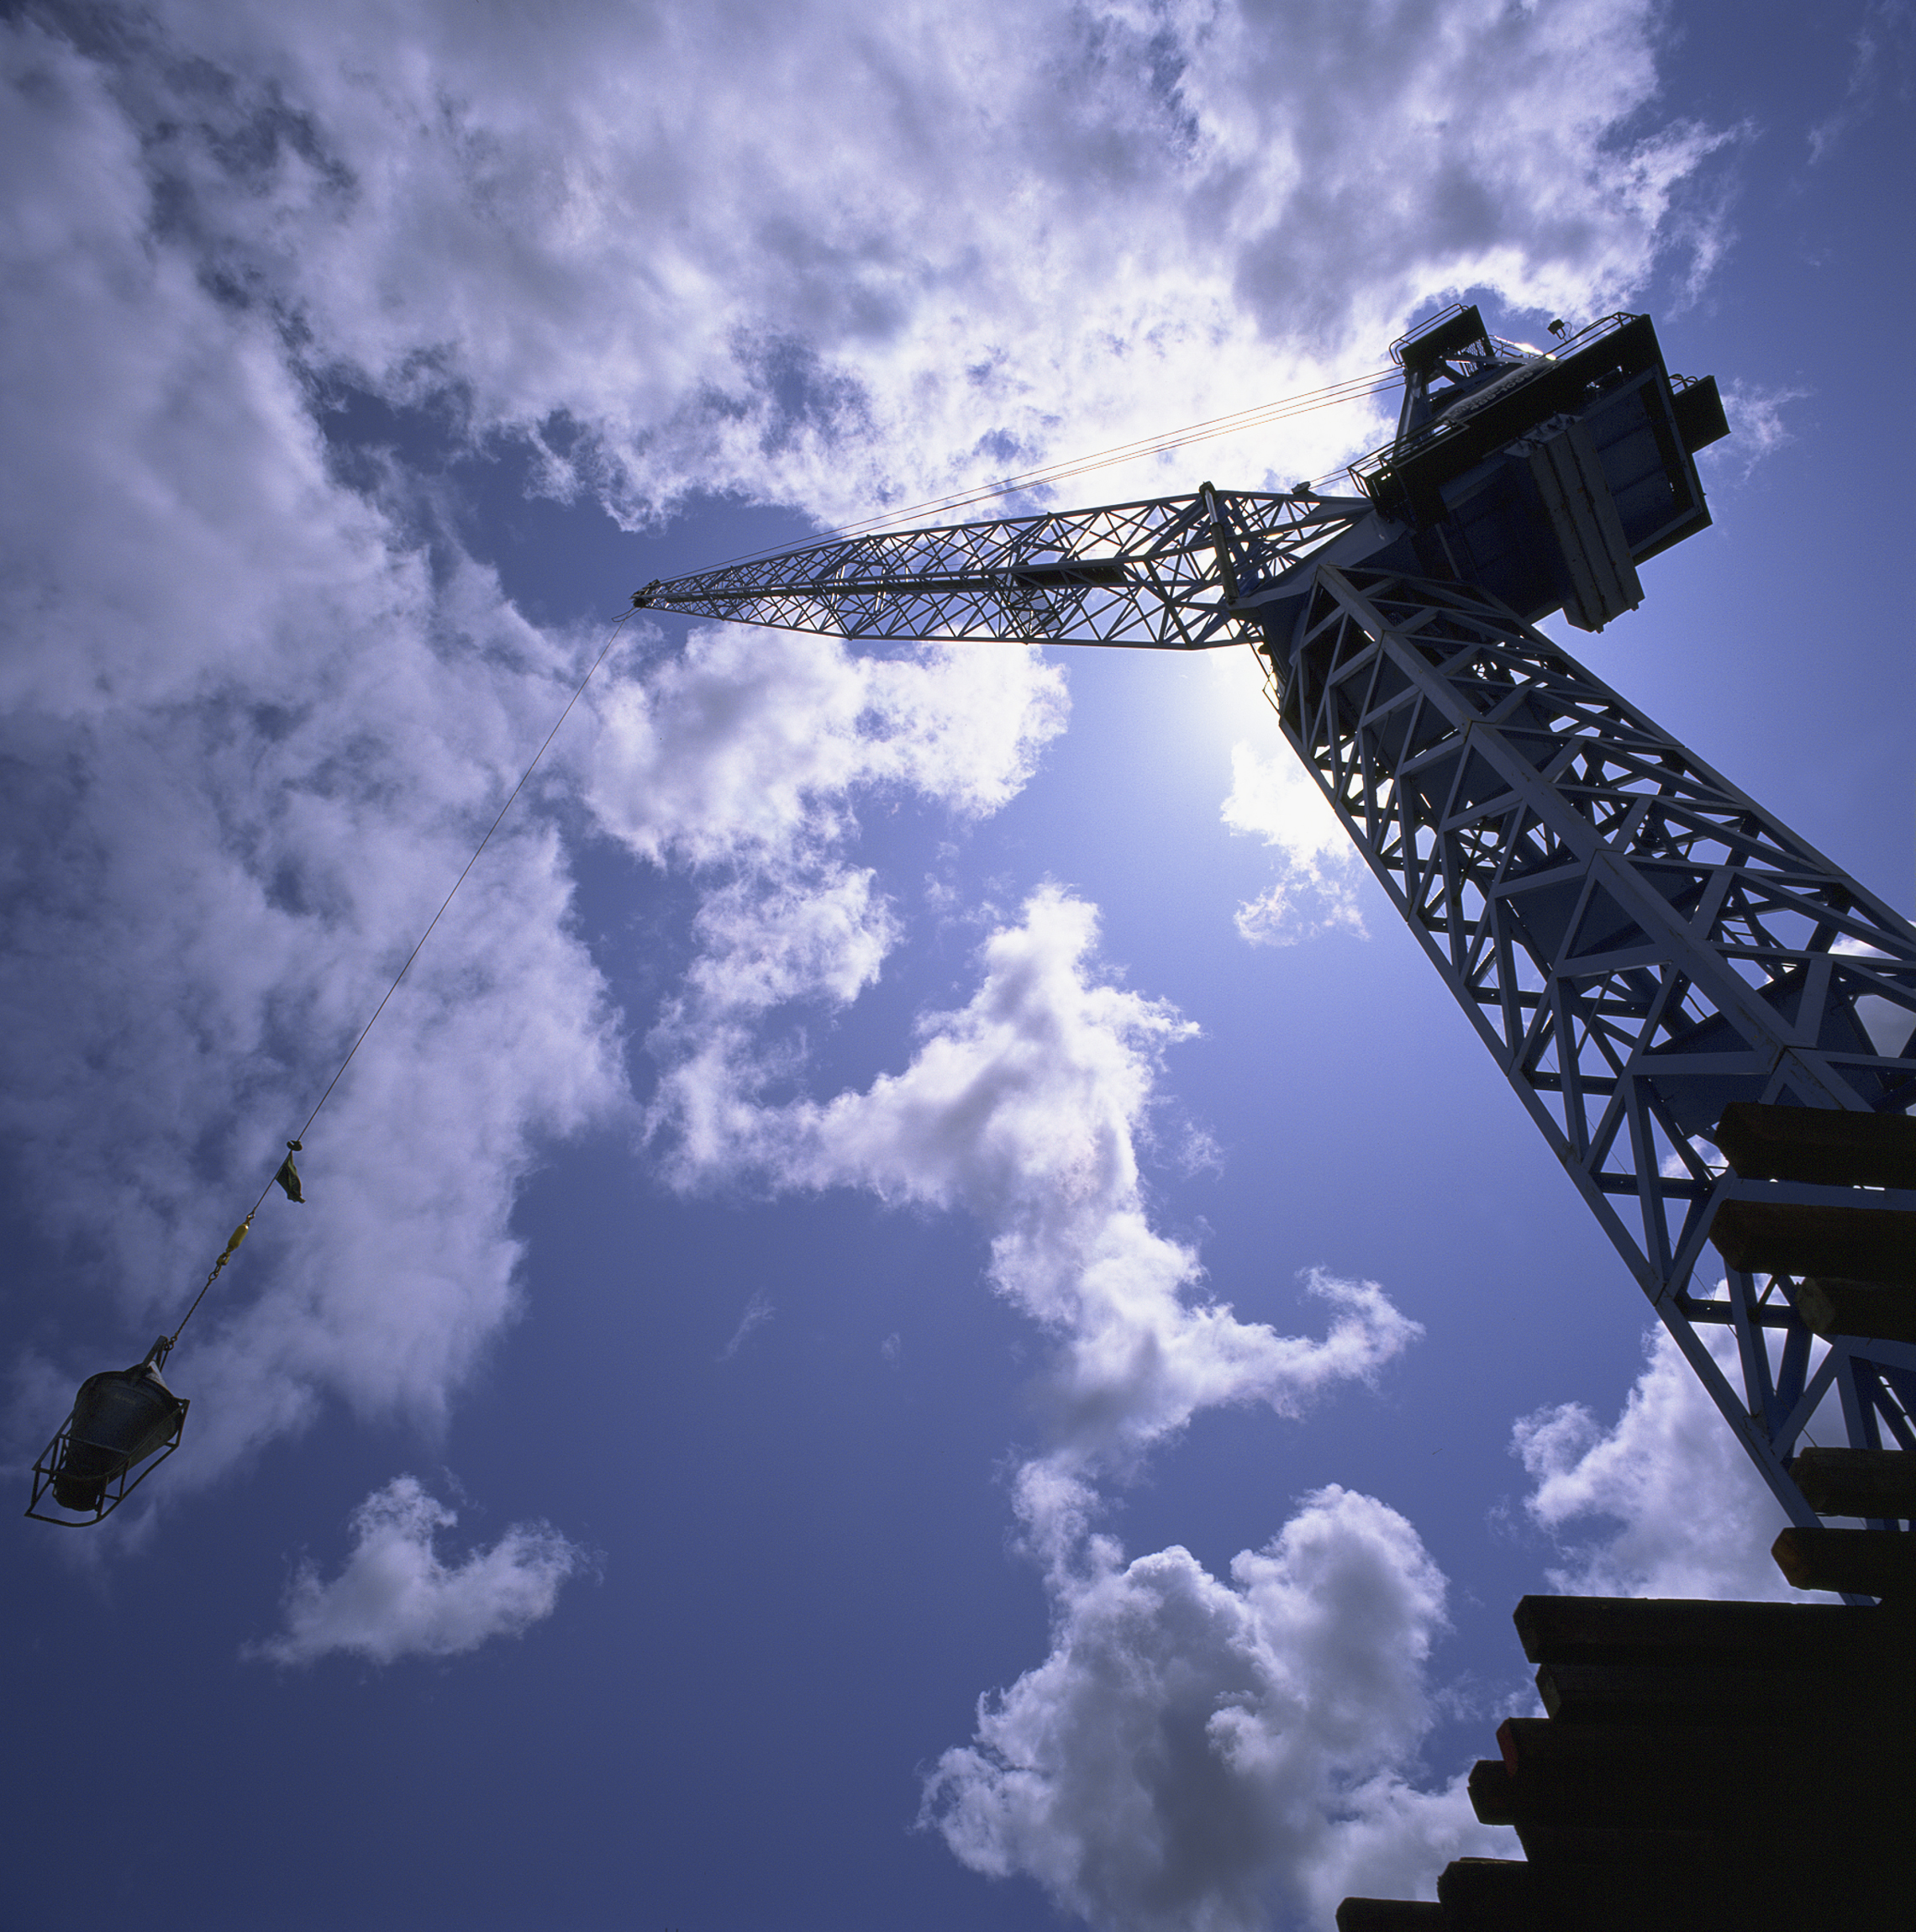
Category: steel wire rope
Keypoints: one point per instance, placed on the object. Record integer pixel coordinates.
(478, 850)
(1353, 389)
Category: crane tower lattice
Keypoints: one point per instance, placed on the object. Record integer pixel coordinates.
(1639, 943)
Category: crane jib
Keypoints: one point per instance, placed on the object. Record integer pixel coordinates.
(1097, 575)
(1641, 946)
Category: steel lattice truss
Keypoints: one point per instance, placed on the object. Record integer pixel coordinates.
(1637, 942)
(1159, 574)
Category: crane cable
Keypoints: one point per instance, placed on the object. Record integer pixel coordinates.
(1352, 389)
(286, 1168)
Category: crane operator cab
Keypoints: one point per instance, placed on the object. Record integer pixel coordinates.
(125, 1422)
(1545, 478)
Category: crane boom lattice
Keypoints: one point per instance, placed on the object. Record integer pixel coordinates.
(1638, 943)
(1148, 574)
(1651, 958)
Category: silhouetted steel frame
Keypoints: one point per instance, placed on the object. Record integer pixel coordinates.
(1474, 763)
(1147, 575)
(117, 1491)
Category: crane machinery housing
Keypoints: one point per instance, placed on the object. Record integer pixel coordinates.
(1712, 1026)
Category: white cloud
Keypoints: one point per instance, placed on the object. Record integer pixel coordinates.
(840, 253)
(1318, 870)
(1219, 1757)
(746, 760)
(1668, 1501)
(1758, 430)
(758, 1311)
(396, 1597)
(1884, 67)
(1192, 1748)
(748, 748)
(1025, 1106)
(251, 733)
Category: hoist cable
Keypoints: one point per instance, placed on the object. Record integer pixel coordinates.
(293, 1145)
(1353, 389)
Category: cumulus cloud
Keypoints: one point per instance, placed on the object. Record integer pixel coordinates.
(251, 731)
(1221, 1756)
(745, 760)
(396, 1597)
(1665, 1500)
(749, 748)
(843, 256)
(1318, 870)
(1026, 1108)
(1288, 1726)
(1192, 1749)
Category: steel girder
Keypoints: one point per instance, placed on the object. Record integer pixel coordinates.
(1146, 574)
(1637, 942)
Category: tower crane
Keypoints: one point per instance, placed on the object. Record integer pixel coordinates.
(1711, 1026)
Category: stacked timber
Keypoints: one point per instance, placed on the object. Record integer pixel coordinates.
(1854, 1260)
(1700, 1765)
(1706, 1765)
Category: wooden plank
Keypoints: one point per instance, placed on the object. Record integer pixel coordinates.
(1785, 1238)
(1511, 1895)
(1862, 1562)
(1829, 1306)
(1809, 1787)
(1695, 1694)
(1857, 1481)
(1827, 1637)
(1589, 1751)
(1389, 1915)
(1608, 1845)
(1828, 1145)
(1492, 1792)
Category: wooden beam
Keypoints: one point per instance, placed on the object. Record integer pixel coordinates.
(1389, 1915)
(1858, 1562)
(1784, 1238)
(1828, 1145)
(1692, 1694)
(1829, 1637)
(1857, 1481)
(1831, 1305)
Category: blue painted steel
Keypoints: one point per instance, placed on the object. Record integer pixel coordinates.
(1637, 942)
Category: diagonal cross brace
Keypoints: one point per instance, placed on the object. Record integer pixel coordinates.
(1635, 940)
(1147, 574)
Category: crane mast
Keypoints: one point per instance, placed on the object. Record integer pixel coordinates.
(1668, 976)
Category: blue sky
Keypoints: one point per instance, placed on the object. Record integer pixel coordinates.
(921, 1313)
